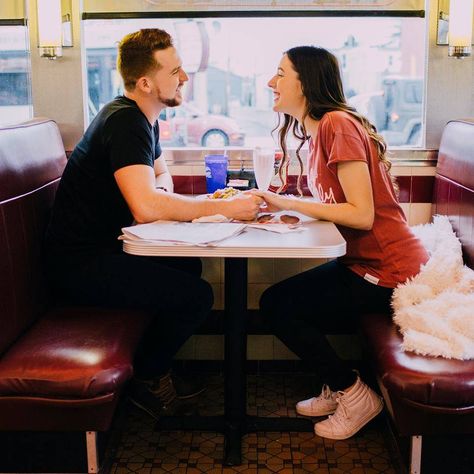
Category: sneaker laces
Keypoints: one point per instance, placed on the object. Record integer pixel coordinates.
(325, 394)
(341, 414)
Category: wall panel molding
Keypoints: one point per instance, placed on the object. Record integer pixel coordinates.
(12, 10)
(96, 6)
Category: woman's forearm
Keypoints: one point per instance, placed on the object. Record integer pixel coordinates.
(345, 214)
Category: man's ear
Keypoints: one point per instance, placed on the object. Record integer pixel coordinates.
(143, 84)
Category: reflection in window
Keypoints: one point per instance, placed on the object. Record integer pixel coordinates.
(227, 100)
(15, 90)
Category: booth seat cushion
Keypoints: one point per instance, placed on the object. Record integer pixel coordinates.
(73, 353)
(432, 381)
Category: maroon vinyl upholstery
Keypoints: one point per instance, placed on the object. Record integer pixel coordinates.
(454, 182)
(432, 395)
(431, 381)
(72, 353)
(32, 159)
(60, 369)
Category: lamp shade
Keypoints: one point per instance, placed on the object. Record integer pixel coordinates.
(49, 28)
(460, 28)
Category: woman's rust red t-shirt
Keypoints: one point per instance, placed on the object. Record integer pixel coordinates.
(389, 253)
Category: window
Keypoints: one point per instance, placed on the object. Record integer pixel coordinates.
(15, 92)
(230, 60)
(414, 92)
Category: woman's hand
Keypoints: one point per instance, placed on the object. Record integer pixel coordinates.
(275, 202)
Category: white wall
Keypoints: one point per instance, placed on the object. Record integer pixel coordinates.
(449, 86)
(57, 85)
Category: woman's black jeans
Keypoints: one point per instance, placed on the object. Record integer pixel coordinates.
(324, 300)
(169, 288)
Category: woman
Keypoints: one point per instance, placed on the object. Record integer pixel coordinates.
(349, 176)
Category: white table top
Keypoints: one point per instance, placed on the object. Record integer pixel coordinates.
(320, 240)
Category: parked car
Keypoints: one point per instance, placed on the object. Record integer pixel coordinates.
(396, 110)
(190, 126)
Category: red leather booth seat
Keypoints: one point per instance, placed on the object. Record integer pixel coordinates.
(60, 369)
(432, 395)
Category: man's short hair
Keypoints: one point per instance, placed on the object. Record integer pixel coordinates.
(135, 54)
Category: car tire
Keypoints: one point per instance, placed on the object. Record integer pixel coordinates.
(215, 138)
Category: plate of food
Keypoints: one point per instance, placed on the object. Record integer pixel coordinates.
(223, 193)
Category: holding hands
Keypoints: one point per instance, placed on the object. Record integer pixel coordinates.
(244, 206)
(274, 202)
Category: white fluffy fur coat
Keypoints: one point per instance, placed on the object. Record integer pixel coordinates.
(435, 309)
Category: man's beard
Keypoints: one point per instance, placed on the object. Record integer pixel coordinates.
(174, 102)
(170, 102)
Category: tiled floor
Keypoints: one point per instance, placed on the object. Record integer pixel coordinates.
(136, 446)
(141, 449)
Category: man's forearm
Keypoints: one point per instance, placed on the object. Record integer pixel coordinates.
(172, 206)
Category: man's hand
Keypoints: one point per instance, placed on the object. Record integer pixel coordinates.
(243, 207)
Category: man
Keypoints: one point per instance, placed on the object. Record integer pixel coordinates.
(114, 176)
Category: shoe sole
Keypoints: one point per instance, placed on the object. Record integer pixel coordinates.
(145, 409)
(313, 414)
(363, 422)
(192, 395)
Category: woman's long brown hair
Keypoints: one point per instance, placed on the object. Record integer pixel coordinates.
(320, 78)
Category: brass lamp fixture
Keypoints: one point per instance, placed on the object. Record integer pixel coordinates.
(460, 28)
(455, 25)
(54, 28)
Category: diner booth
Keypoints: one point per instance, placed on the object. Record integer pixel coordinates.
(65, 372)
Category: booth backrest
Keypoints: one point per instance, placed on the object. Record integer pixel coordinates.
(454, 182)
(32, 159)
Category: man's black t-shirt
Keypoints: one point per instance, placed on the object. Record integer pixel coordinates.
(89, 210)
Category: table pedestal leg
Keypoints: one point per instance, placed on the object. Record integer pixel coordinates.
(235, 423)
(235, 357)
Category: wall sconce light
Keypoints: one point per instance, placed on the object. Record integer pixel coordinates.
(54, 29)
(460, 28)
(455, 26)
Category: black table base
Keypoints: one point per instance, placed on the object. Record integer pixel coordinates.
(233, 432)
(235, 422)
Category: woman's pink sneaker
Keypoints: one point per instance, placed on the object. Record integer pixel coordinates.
(323, 404)
(355, 408)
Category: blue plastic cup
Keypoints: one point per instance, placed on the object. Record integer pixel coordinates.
(216, 172)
